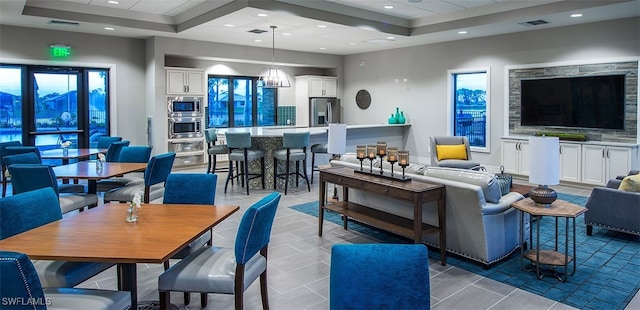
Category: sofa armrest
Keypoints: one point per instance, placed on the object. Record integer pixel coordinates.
(614, 183)
(615, 208)
(504, 203)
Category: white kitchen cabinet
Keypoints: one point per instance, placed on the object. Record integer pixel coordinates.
(185, 82)
(603, 162)
(317, 86)
(570, 162)
(515, 156)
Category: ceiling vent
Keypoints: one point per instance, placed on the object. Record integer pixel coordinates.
(535, 22)
(62, 22)
(257, 31)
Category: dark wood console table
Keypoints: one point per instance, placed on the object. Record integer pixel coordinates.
(415, 192)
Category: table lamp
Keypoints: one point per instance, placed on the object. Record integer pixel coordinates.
(544, 168)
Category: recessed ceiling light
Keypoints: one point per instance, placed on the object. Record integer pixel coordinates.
(388, 7)
(257, 40)
(263, 15)
(323, 48)
(462, 32)
(113, 2)
(352, 43)
(286, 34)
(391, 38)
(228, 25)
(322, 26)
(576, 15)
(109, 28)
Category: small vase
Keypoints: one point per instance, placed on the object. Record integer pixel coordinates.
(392, 119)
(65, 151)
(99, 165)
(397, 115)
(132, 214)
(401, 119)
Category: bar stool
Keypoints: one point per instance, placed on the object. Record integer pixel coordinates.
(295, 150)
(319, 148)
(211, 137)
(239, 144)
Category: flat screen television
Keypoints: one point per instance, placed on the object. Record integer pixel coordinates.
(588, 102)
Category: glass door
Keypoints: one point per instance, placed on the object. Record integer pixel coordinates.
(56, 110)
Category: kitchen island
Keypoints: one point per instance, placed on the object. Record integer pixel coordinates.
(269, 139)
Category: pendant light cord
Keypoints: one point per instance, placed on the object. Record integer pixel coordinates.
(273, 45)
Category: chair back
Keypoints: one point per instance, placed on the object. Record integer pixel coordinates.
(105, 141)
(379, 276)
(295, 140)
(238, 140)
(17, 269)
(15, 150)
(25, 158)
(28, 210)
(28, 177)
(113, 152)
(191, 188)
(448, 140)
(159, 168)
(3, 145)
(210, 136)
(135, 154)
(254, 231)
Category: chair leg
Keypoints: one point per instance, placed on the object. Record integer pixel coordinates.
(304, 170)
(215, 163)
(297, 173)
(275, 173)
(165, 300)
(229, 176)
(209, 164)
(166, 265)
(313, 165)
(238, 288)
(589, 230)
(203, 300)
(264, 291)
(187, 298)
(246, 173)
(262, 167)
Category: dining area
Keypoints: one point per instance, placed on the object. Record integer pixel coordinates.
(63, 247)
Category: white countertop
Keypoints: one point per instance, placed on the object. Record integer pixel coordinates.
(277, 131)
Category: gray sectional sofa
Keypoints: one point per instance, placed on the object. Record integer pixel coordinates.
(481, 224)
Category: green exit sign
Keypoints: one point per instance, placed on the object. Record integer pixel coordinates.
(60, 51)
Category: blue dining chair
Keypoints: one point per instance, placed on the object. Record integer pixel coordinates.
(294, 150)
(190, 188)
(3, 176)
(28, 210)
(27, 177)
(17, 269)
(224, 270)
(32, 159)
(239, 144)
(105, 141)
(128, 154)
(114, 149)
(156, 173)
(379, 276)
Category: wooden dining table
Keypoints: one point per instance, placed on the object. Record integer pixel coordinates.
(87, 170)
(71, 154)
(101, 234)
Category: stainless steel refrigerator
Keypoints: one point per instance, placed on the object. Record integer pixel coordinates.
(323, 111)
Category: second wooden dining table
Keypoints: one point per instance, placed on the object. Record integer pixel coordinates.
(101, 234)
(87, 170)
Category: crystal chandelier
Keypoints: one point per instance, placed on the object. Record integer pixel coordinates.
(272, 76)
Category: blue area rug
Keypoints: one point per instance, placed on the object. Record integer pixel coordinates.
(608, 263)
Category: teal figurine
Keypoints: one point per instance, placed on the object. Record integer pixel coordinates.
(401, 119)
(392, 119)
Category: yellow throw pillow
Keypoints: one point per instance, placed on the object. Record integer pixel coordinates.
(630, 183)
(458, 151)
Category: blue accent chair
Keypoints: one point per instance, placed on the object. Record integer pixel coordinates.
(17, 269)
(27, 177)
(32, 158)
(156, 173)
(224, 270)
(192, 188)
(3, 177)
(295, 150)
(105, 141)
(128, 154)
(379, 276)
(239, 144)
(114, 149)
(28, 210)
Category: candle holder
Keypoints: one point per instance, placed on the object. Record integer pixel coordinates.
(381, 148)
(392, 156)
(371, 154)
(403, 160)
(361, 154)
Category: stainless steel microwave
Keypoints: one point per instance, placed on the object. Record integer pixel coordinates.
(185, 127)
(184, 106)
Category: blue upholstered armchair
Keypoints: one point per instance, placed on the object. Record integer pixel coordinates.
(155, 175)
(20, 284)
(379, 276)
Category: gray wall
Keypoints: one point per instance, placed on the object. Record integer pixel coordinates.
(423, 96)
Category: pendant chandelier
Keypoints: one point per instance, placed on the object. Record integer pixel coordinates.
(272, 76)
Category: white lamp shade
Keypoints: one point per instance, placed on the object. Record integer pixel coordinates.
(337, 139)
(544, 160)
(274, 78)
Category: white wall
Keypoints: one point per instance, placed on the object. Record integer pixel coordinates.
(423, 97)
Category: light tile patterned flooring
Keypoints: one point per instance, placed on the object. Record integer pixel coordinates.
(298, 272)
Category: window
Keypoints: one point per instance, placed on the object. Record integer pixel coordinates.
(43, 106)
(249, 104)
(469, 106)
